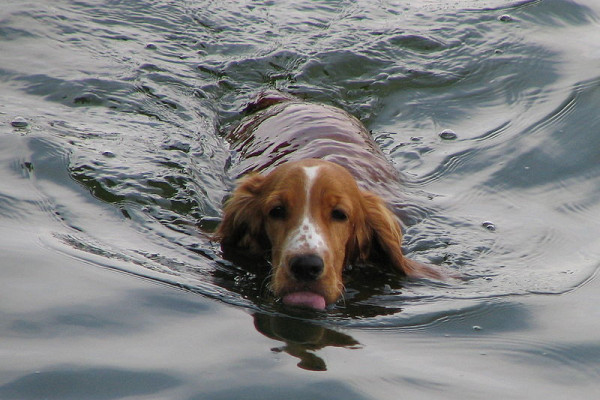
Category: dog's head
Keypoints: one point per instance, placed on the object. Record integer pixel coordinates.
(312, 219)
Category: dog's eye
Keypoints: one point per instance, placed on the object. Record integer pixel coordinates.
(278, 212)
(339, 215)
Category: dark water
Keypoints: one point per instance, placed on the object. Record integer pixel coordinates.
(112, 160)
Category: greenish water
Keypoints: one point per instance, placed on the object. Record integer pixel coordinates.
(113, 168)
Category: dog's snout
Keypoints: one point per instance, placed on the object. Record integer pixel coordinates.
(306, 267)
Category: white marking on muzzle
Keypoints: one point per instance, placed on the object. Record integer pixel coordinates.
(307, 237)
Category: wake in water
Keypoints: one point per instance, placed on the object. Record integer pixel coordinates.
(150, 152)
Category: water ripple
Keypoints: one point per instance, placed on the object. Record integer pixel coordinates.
(150, 87)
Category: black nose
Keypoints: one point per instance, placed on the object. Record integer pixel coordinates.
(306, 267)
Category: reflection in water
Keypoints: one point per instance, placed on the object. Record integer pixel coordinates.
(302, 338)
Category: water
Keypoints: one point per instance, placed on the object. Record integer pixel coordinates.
(113, 169)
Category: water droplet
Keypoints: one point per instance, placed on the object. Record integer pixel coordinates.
(19, 122)
(489, 226)
(448, 134)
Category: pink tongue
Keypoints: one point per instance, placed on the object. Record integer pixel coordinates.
(305, 299)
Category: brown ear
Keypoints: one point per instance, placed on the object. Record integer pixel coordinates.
(243, 226)
(380, 238)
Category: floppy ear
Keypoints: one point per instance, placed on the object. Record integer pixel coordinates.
(243, 224)
(381, 237)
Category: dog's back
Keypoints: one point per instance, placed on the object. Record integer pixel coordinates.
(284, 129)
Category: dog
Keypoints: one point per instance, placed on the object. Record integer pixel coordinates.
(311, 200)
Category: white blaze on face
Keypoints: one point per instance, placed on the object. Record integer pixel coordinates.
(307, 237)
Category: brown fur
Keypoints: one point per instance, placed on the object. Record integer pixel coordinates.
(370, 233)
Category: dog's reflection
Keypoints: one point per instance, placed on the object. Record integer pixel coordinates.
(302, 338)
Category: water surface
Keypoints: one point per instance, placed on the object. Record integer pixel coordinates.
(111, 287)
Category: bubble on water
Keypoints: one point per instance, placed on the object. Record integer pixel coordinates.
(109, 154)
(505, 18)
(19, 122)
(477, 328)
(448, 134)
(489, 226)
